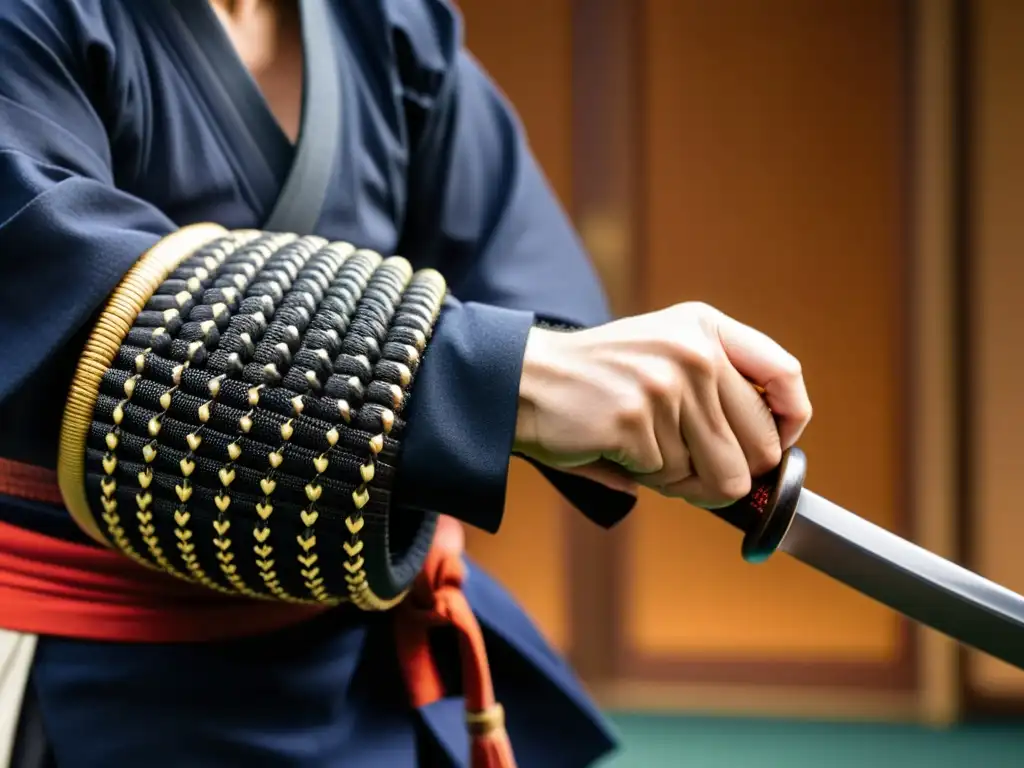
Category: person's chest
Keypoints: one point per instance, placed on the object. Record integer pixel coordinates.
(200, 137)
(268, 39)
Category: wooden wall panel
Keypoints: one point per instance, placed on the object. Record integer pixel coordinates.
(996, 271)
(609, 111)
(777, 191)
(935, 468)
(499, 32)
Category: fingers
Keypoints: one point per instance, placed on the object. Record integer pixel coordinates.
(663, 399)
(663, 381)
(775, 370)
(638, 453)
(751, 421)
(646, 416)
(722, 473)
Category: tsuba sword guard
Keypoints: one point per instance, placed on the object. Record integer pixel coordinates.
(236, 415)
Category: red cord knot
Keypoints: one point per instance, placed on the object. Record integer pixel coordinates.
(436, 599)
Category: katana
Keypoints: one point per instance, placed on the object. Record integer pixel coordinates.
(780, 514)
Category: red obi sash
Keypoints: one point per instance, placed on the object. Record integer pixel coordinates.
(54, 587)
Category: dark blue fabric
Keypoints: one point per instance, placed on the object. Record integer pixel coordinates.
(327, 694)
(112, 135)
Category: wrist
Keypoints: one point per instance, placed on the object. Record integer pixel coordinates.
(531, 382)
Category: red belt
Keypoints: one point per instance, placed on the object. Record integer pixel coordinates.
(54, 587)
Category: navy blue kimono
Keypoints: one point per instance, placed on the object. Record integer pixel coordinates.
(113, 134)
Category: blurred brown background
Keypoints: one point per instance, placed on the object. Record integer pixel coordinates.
(846, 175)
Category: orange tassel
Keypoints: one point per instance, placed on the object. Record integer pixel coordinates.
(436, 600)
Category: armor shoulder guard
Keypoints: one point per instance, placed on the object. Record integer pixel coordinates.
(236, 415)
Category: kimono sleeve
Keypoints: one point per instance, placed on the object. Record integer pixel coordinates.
(482, 212)
(67, 235)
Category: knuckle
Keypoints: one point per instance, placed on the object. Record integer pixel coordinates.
(695, 344)
(699, 358)
(661, 382)
(734, 487)
(697, 308)
(801, 415)
(807, 414)
(631, 412)
(792, 368)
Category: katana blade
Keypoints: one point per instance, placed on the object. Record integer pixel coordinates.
(920, 585)
(879, 564)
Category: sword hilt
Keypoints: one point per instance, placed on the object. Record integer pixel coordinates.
(765, 513)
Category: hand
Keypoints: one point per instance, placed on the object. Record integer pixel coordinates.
(664, 399)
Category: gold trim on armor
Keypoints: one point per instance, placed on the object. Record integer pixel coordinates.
(359, 589)
(126, 302)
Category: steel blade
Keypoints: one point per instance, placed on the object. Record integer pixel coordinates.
(917, 583)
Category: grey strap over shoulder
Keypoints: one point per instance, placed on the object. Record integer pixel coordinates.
(302, 198)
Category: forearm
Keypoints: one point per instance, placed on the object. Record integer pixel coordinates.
(296, 394)
(472, 411)
(242, 394)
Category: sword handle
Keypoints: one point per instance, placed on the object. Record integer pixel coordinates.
(765, 513)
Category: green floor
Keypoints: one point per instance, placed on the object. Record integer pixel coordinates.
(668, 742)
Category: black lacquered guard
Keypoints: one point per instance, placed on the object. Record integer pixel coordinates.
(765, 514)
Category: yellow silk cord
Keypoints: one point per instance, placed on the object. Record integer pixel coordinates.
(125, 304)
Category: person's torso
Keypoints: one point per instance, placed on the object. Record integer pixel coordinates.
(191, 133)
(194, 135)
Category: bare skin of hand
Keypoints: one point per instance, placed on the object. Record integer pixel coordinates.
(663, 399)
